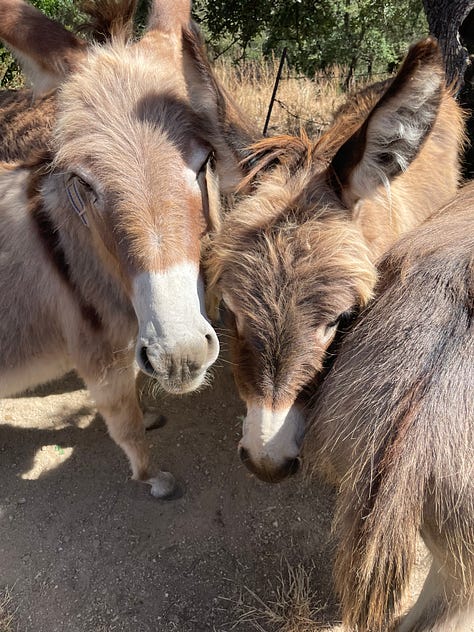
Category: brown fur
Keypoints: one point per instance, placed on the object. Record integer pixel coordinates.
(300, 251)
(393, 425)
(31, 36)
(26, 123)
(108, 19)
(26, 116)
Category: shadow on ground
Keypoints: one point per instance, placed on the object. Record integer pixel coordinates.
(84, 549)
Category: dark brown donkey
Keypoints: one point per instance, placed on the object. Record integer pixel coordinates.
(100, 241)
(393, 427)
(299, 253)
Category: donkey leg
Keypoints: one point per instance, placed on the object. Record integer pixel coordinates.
(152, 417)
(442, 605)
(117, 402)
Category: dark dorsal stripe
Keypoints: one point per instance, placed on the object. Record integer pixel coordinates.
(49, 236)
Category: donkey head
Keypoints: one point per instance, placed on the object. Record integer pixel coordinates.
(137, 132)
(293, 259)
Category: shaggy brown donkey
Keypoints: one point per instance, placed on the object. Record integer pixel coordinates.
(299, 252)
(394, 428)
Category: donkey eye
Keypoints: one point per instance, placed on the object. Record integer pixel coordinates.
(81, 182)
(342, 320)
(85, 188)
(209, 159)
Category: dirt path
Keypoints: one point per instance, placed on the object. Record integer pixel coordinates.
(83, 549)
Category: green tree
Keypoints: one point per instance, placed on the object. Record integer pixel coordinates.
(364, 35)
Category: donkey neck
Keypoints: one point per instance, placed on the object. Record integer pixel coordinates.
(76, 256)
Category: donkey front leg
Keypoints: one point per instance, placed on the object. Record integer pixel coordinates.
(116, 400)
(442, 605)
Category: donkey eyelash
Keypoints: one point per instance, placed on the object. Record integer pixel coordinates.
(80, 180)
(88, 188)
(343, 318)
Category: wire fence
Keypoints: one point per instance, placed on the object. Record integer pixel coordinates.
(315, 125)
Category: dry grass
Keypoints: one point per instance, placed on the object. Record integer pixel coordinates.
(294, 607)
(301, 102)
(7, 613)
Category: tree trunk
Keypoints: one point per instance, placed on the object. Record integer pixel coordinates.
(452, 23)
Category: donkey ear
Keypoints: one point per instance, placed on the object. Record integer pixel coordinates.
(233, 133)
(46, 51)
(393, 133)
(169, 16)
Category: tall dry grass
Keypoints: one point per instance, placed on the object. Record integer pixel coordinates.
(302, 103)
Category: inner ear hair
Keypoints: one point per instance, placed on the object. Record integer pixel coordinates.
(392, 135)
(292, 151)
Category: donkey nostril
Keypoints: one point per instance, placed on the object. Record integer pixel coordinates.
(243, 454)
(209, 338)
(292, 466)
(147, 365)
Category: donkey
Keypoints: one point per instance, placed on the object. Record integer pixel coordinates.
(298, 255)
(393, 426)
(100, 241)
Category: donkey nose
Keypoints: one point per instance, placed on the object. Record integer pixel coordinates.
(182, 362)
(212, 345)
(144, 361)
(270, 473)
(179, 364)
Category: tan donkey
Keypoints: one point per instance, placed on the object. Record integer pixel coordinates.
(298, 254)
(100, 241)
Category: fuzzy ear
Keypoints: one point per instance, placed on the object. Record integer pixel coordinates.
(180, 41)
(169, 16)
(107, 19)
(46, 51)
(233, 132)
(393, 133)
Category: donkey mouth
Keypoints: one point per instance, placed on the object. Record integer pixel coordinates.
(174, 376)
(269, 473)
(175, 385)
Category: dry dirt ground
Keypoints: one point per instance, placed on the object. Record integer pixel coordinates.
(84, 549)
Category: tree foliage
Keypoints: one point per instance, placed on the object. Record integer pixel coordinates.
(363, 35)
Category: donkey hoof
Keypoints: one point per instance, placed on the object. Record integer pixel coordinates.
(164, 486)
(153, 420)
